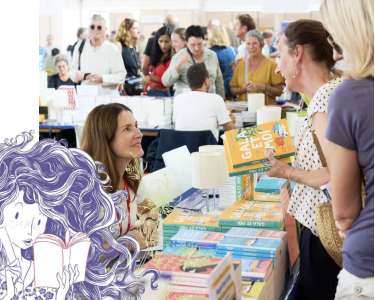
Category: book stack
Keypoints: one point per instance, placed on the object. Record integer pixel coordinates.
(196, 238)
(184, 219)
(245, 148)
(204, 277)
(254, 214)
(268, 188)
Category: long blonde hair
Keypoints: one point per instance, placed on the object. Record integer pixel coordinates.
(218, 36)
(97, 136)
(123, 33)
(351, 24)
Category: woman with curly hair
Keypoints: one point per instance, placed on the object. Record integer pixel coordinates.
(50, 189)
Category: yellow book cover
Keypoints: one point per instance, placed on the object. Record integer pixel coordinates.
(181, 218)
(249, 169)
(247, 146)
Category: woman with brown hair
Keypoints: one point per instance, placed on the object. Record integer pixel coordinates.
(112, 137)
(307, 65)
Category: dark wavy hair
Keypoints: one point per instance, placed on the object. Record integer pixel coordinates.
(156, 55)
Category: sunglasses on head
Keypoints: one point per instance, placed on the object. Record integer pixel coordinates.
(93, 27)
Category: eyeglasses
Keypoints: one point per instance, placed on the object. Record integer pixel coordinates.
(99, 27)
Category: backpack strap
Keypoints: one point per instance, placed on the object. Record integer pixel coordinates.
(80, 49)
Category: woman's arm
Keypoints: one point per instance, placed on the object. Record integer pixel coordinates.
(314, 179)
(345, 185)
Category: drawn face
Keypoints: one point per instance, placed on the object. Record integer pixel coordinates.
(127, 141)
(24, 222)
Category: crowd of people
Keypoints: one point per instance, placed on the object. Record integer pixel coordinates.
(201, 67)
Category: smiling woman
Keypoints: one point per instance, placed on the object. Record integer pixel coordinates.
(112, 137)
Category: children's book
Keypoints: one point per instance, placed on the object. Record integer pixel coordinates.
(186, 296)
(256, 269)
(267, 184)
(196, 238)
(254, 245)
(247, 146)
(185, 251)
(51, 255)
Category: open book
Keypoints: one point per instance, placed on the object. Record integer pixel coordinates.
(51, 255)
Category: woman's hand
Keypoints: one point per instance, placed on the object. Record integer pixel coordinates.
(252, 87)
(68, 277)
(279, 168)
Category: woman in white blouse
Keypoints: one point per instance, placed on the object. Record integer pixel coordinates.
(306, 62)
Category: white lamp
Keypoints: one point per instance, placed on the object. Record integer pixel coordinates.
(208, 171)
(268, 114)
(255, 101)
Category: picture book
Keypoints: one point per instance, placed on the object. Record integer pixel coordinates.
(51, 255)
(266, 184)
(186, 296)
(248, 169)
(256, 269)
(247, 146)
(252, 290)
(185, 251)
(255, 233)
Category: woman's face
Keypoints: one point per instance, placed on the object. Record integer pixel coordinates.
(23, 222)
(127, 141)
(177, 42)
(134, 31)
(286, 64)
(253, 46)
(62, 67)
(164, 42)
(195, 45)
(97, 29)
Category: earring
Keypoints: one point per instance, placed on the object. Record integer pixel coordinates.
(296, 72)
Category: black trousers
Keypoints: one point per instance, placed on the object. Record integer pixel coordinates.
(317, 278)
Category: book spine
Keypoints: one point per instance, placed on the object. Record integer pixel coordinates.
(243, 249)
(261, 161)
(191, 244)
(250, 223)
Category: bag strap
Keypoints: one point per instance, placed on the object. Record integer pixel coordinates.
(80, 49)
(319, 148)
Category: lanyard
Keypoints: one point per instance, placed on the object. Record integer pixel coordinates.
(126, 188)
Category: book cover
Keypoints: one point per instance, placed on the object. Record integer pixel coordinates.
(268, 184)
(257, 269)
(196, 238)
(51, 255)
(248, 169)
(247, 146)
(252, 290)
(182, 251)
(186, 296)
(244, 244)
(255, 233)
(252, 214)
(182, 218)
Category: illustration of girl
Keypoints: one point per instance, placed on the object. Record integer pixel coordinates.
(50, 189)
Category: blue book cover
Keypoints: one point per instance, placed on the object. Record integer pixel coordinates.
(243, 255)
(268, 184)
(255, 233)
(249, 244)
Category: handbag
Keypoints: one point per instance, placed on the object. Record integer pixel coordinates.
(328, 233)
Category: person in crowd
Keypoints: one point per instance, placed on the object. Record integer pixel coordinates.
(243, 24)
(112, 137)
(127, 37)
(269, 50)
(170, 21)
(81, 35)
(256, 73)
(193, 54)
(178, 39)
(49, 64)
(307, 65)
(219, 43)
(160, 59)
(112, 36)
(50, 189)
(350, 146)
(197, 109)
(49, 45)
(98, 62)
(63, 77)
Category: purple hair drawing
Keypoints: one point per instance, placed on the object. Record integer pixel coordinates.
(49, 190)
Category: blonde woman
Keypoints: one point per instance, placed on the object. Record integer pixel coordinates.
(219, 43)
(127, 36)
(350, 148)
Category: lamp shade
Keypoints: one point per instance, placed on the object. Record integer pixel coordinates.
(208, 169)
(255, 101)
(268, 114)
(220, 151)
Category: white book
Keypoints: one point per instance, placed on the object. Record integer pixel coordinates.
(51, 255)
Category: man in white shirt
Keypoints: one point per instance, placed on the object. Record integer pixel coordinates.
(242, 25)
(198, 110)
(100, 62)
